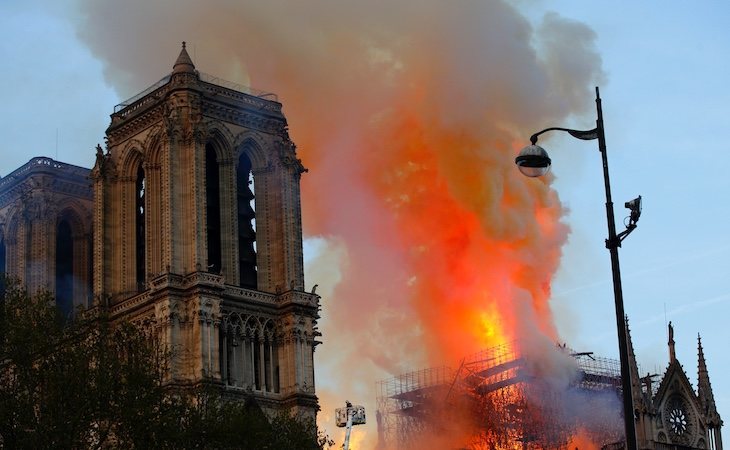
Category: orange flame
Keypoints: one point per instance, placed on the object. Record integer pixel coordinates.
(475, 273)
(582, 441)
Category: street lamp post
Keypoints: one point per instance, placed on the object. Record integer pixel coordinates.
(534, 161)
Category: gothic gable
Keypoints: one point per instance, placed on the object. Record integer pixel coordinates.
(678, 419)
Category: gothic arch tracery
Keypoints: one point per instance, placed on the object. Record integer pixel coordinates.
(250, 351)
(154, 144)
(131, 157)
(222, 139)
(74, 212)
(253, 145)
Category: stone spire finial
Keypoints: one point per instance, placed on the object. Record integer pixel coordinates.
(701, 365)
(183, 63)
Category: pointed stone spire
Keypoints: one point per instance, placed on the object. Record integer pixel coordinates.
(672, 355)
(183, 64)
(636, 393)
(701, 364)
(704, 389)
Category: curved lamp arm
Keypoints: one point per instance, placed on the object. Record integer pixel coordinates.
(587, 135)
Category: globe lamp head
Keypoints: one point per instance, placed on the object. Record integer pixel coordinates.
(533, 161)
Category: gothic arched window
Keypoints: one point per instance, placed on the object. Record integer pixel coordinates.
(213, 209)
(139, 216)
(246, 223)
(64, 268)
(3, 265)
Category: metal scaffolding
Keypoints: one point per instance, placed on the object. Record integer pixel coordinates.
(407, 404)
(502, 399)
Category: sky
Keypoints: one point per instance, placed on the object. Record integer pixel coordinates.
(664, 118)
(663, 86)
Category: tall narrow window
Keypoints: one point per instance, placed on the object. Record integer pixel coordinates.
(3, 268)
(140, 227)
(64, 269)
(89, 272)
(213, 209)
(246, 223)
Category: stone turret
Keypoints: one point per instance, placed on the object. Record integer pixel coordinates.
(183, 64)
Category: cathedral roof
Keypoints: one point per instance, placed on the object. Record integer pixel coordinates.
(674, 378)
(675, 382)
(183, 64)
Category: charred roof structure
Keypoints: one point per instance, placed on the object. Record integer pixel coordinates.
(498, 398)
(551, 398)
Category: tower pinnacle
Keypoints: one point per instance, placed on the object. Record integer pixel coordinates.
(704, 389)
(183, 64)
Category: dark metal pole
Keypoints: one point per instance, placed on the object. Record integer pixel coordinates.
(613, 243)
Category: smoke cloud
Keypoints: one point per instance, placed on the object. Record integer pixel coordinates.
(429, 243)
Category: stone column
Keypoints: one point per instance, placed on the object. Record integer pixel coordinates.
(262, 364)
(224, 355)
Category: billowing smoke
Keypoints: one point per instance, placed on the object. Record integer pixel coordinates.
(429, 244)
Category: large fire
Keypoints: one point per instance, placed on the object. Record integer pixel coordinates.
(408, 116)
(459, 212)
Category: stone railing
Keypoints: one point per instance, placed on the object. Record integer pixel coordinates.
(235, 293)
(251, 390)
(210, 79)
(295, 297)
(243, 294)
(171, 280)
(214, 85)
(299, 297)
(256, 102)
(130, 303)
(130, 101)
(206, 278)
(41, 164)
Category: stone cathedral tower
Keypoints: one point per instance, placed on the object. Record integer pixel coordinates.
(45, 230)
(198, 237)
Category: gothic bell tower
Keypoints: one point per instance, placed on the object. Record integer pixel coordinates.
(198, 236)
